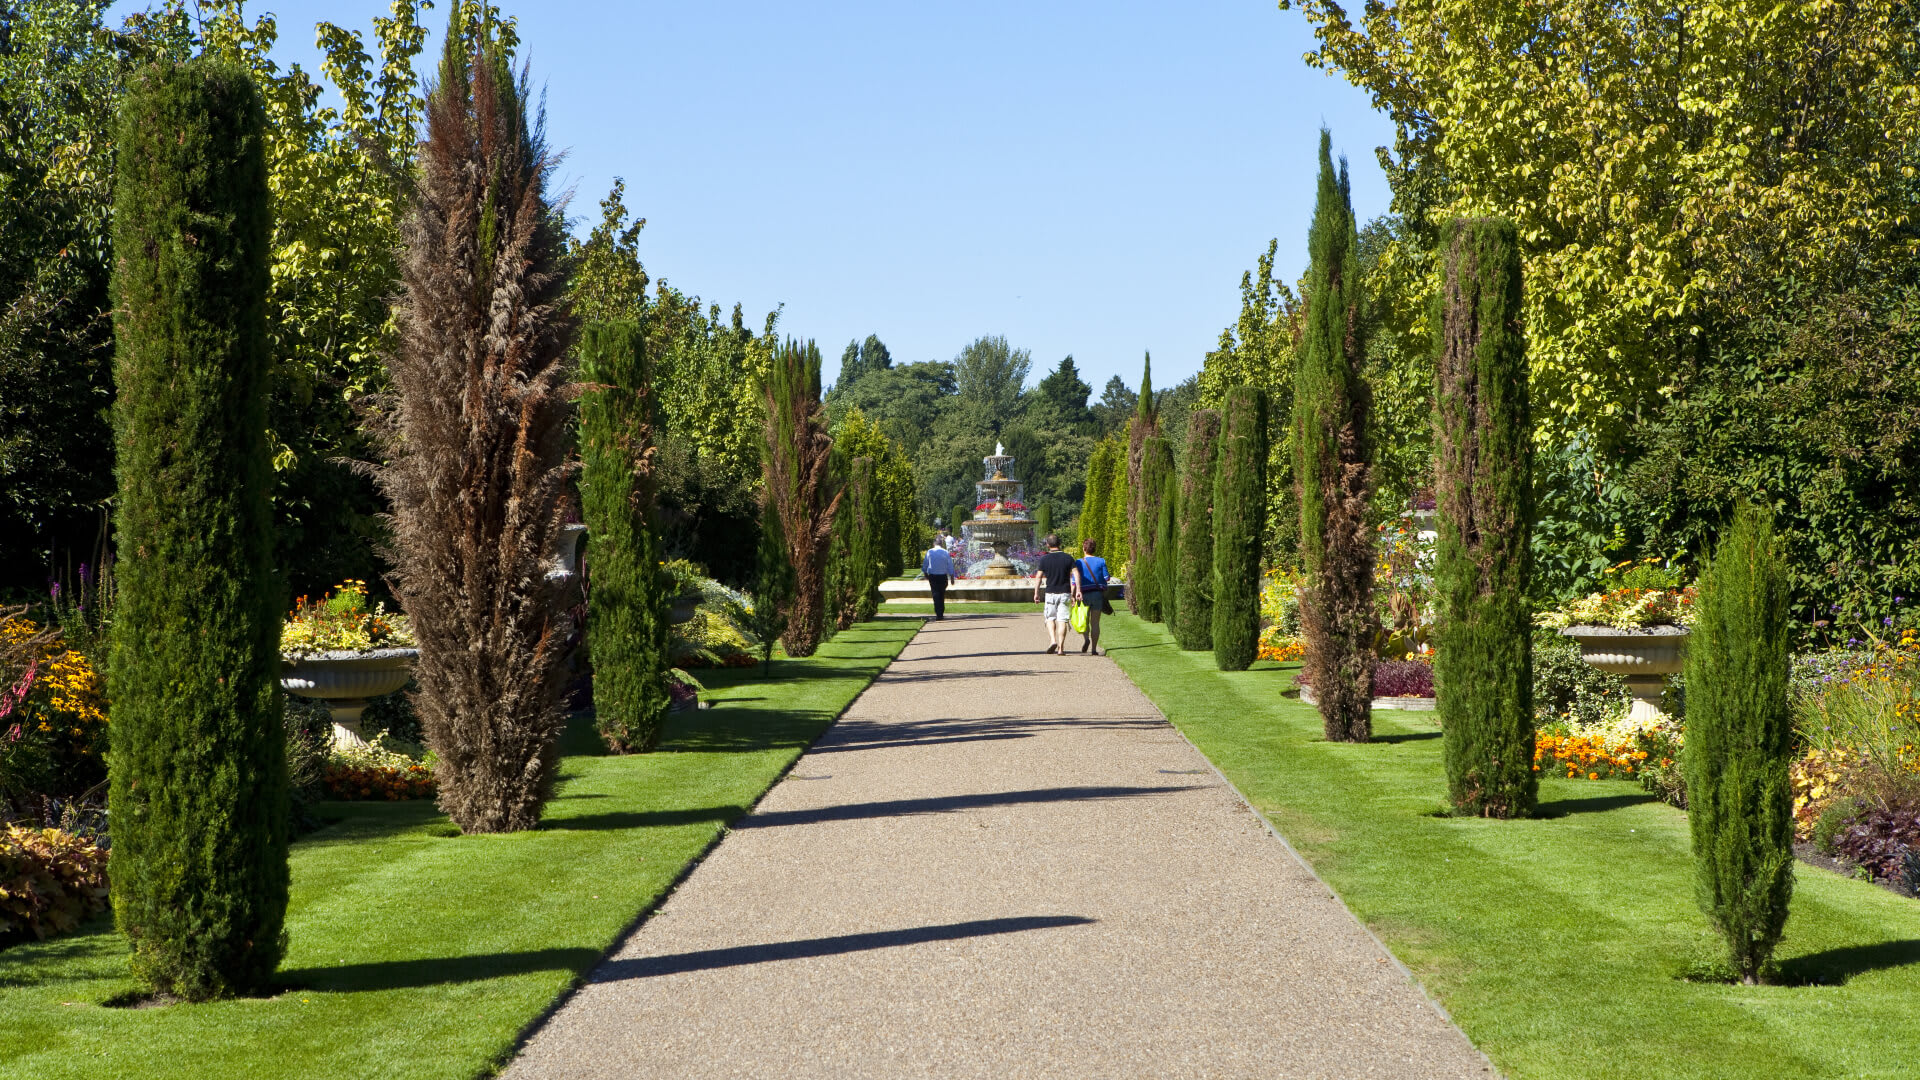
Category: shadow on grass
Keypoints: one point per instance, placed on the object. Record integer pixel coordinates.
(436, 971)
(947, 804)
(1835, 966)
(709, 959)
(641, 819)
(33, 963)
(356, 822)
(1598, 804)
(1412, 736)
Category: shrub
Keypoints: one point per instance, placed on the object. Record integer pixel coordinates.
(627, 630)
(1331, 404)
(1567, 689)
(198, 766)
(800, 488)
(1404, 678)
(478, 436)
(1166, 532)
(1193, 577)
(1483, 469)
(50, 882)
(1879, 839)
(1239, 529)
(1739, 738)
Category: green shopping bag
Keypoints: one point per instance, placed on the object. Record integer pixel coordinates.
(1077, 617)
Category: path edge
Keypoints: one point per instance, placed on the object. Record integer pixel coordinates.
(1274, 831)
(574, 985)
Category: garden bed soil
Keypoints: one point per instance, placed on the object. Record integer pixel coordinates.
(1846, 868)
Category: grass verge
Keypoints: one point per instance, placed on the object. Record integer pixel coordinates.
(1556, 943)
(418, 953)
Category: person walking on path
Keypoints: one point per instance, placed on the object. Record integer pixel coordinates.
(938, 566)
(1093, 593)
(1059, 575)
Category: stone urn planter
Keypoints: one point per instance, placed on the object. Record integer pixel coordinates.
(346, 681)
(1643, 656)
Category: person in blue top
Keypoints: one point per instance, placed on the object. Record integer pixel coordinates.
(1093, 593)
(938, 566)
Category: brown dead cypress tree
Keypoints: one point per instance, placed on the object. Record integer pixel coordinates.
(478, 435)
(1330, 407)
(801, 490)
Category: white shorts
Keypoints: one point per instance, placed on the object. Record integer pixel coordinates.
(1059, 607)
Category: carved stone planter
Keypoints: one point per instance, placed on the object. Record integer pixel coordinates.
(1409, 704)
(346, 682)
(1644, 657)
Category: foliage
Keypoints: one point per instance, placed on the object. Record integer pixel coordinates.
(722, 632)
(1483, 486)
(1102, 515)
(854, 568)
(901, 536)
(53, 720)
(1279, 646)
(801, 489)
(1403, 678)
(1739, 737)
(773, 586)
(477, 432)
(1239, 505)
(1193, 580)
(1403, 587)
(1258, 351)
(627, 627)
(1166, 533)
(1146, 581)
(50, 882)
(1656, 172)
(341, 621)
(1881, 840)
(373, 772)
(1331, 459)
(1568, 690)
(1859, 720)
(1632, 595)
(198, 765)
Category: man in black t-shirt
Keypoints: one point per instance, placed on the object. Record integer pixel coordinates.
(1059, 576)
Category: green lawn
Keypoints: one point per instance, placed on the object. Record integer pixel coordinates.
(416, 952)
(1555, 943)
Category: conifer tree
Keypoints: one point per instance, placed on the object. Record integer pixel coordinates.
(1193, 583)
(1146, 587)
(1166, 533)
(853, 558)
(1483, 465)
(1137, 528)
(1043, 520)
(773, 584)
(1239, 505)
(1093, 507)
(1330, 407)
(1740, 742)
(479, 434)
(1117, 549)
(198, 767)
(800, 484)
(627, 625)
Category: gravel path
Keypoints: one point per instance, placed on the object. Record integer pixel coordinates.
(1000, 863)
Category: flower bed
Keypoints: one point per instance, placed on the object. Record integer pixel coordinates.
(373, 772)
(1620, 749)
(1277, 645)
(342, 621)
(1636, 595)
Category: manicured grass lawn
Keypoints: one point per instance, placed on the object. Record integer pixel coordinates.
(415, 952)
(1555, 942)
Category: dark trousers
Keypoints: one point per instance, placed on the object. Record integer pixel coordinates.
(938, 582)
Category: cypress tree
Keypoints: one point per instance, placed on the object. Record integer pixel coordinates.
(1149, 576)
(1166, 535)
(627, 628)
(1043, 520)
(1483, 465)
(1330, 406)
(1132, 517)
(955, 516)
(772, 584)
(1740, 742)
(853, 560)
(1117, 551)
(800, 484)
(1239, 505)
(1093, 508)
(479, 440)
(198, 770)
(1193, 583)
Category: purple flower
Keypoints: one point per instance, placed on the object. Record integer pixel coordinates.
(56, 593)
(1888, 621)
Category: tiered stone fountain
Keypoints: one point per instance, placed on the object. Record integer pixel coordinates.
(1001, 523)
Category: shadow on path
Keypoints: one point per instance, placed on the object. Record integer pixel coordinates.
(947, 803)
(871, 734)
(707, 959)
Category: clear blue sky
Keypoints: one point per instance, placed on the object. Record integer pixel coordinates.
(1085, 178)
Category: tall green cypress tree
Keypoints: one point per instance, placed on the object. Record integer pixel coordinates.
(1132, 519)
(1739, 743)
(1239, 519)
(1330, 407)
(1117, 550)
(1483, 465)
(627, 624)
(1093, 508)
(198, 767)
(773, 584)
(1043, 519)
(1146, 585)
(1193, 582)
(853, 557)
(1166, 533)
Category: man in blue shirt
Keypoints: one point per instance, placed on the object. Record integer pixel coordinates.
(938, 566)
